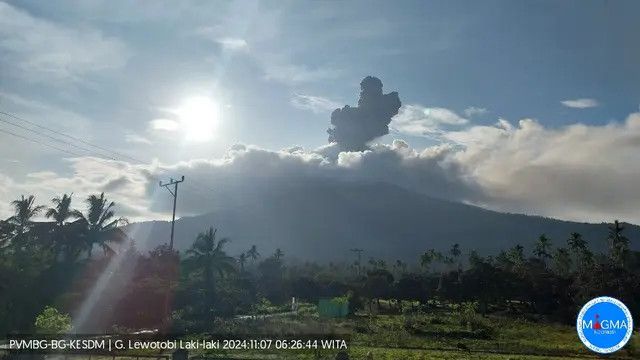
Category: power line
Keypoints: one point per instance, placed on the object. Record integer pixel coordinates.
(68, 136)
(91, 152)
(47, 136)
(38, 142)
(141, 162)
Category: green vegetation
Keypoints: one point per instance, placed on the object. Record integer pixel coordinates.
(447, 305)
(51, 321)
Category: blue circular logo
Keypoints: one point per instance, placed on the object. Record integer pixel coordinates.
(604, 325)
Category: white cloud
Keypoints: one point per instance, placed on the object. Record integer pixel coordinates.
(475, 111)
(137, 139)
(233, 44)
(35, 111)
(417, 120)
(66, 121)
(289, 73)
(133, 186)
(316, 104)
(580, 103)
(164, 124)
(578, 172)
(124, 183)
(41, 50)
(477, 135)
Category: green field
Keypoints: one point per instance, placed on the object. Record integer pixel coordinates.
(437, 334)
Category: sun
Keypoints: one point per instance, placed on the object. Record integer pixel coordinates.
(199, 117)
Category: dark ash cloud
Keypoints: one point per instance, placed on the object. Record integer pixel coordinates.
(353, 127)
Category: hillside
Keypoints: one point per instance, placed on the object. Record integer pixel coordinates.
(322, 220)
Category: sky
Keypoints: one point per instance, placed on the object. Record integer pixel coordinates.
(519, 106)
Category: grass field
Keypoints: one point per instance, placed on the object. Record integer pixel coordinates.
(443, 333)
(437, 334)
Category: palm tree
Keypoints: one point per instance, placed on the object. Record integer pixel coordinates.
(576, 242)
(101, 226)
(542, 248)
(278, 255)
(61, 212)
(242, 260)
(455, 254)
(429, 257)
(618, 243)
(208, 255)
(253, 253)
(455, 251)
(400, 267)
(515, 256)
(562, 261)
(25, 211)
(578, 246)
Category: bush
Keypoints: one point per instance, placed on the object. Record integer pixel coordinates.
(51, 321)
(474, 321)
(264, 306)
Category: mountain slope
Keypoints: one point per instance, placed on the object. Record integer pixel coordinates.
(322, 220)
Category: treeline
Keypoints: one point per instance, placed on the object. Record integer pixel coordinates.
(39, 259)
(53, 264)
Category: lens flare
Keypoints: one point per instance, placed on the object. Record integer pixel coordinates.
(199, 118)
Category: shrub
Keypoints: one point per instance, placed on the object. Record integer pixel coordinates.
(51, 321)
(474, 321)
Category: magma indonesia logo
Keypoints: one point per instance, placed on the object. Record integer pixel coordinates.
(604, 325)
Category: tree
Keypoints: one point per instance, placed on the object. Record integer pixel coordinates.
(515, 256)
(5, 233)
(582, 254)
(101, 226)
(25, 211)
(475, 259)
(455, 255)
(306, 288)
(542, 248)
(208, 255)
(400, 267)
(271, 282)
(576, 242)
(378, 285)
(429, 257)
(61, 211)
(253, 253)
(455, 251)
(411, 287)
(562, 261)
(64, 241)
(242, 260)
(618, 244)
(278, 255)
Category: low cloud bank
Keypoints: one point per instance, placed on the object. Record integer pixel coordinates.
(579, 172)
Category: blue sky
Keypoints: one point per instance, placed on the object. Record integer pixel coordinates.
(106, 70)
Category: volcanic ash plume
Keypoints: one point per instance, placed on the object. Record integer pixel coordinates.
(353, 127)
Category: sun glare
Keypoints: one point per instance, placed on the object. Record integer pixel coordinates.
(199, 118)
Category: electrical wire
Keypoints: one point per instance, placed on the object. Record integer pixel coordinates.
(91, 152)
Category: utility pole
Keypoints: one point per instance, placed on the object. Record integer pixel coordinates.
(175, 198)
